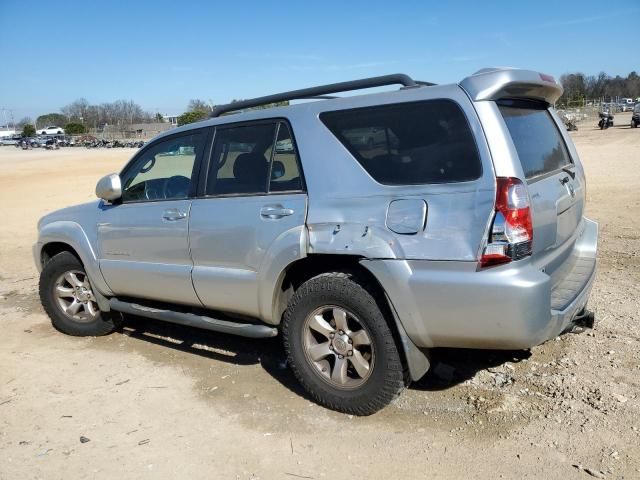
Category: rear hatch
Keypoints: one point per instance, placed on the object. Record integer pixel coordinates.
(556, 187)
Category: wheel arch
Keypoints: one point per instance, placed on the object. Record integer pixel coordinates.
(59, 236)
(51, 249)
(414, 359)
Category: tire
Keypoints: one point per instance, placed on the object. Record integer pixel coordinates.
(322, 296)
(62, 265)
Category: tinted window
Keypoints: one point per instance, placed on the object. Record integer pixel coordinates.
(285, 174)
(163, 172)
(535, 135)
(240, 159)
(409, 143)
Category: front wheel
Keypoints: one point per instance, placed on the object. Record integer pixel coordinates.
(340, 346)
(67, 297)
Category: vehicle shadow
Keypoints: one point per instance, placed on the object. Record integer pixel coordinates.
(453, 366)
(449, 366)
(268, 352)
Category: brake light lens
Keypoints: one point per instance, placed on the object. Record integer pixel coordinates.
(547, 78)
(511, 235)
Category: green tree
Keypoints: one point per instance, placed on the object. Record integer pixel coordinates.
(28, 130)
(194, 116)
(159, 118)
(73, 128)
(51, 119)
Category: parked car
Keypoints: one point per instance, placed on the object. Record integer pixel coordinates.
(464, 228)
(42, 140)
(52, 130)
(635, 118)
(12, 140)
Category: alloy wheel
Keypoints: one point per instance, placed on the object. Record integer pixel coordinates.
(74, 296)
(338, 347)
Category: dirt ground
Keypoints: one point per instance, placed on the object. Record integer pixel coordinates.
(161, 401)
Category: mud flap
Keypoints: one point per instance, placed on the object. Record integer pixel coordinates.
(417, 359)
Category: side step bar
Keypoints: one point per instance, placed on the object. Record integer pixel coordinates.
(192, 320)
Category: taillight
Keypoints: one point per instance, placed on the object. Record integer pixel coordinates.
(547, 78)
(511, 234)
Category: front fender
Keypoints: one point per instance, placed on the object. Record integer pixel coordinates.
(72, 234)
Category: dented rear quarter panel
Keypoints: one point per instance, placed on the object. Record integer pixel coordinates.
(348, 208)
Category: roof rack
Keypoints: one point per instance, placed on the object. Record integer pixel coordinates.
(322, 91)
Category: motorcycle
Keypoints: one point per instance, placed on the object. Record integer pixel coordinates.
(606, 120)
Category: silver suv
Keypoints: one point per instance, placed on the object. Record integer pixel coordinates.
(365, 230)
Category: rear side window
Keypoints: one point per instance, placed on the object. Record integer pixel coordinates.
(240, 159)
(253, 159)
(538, 142)
(409, 143)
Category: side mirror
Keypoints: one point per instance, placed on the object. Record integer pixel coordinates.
(109, 187)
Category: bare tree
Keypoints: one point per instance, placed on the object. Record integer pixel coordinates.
(76, 110)
(22, 122)
(198, 105)
(120, 113)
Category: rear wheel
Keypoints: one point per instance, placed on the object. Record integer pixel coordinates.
(340, 346)
(67, 297)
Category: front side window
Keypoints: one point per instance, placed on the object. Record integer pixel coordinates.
(163, 171)
(409, 143)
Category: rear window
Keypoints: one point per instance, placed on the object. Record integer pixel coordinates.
(538, 142)
(409, 143)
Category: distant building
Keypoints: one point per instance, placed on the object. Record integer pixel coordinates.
(171, 119)
(7, 132)
(148, 130)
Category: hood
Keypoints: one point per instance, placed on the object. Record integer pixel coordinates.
(82, 214)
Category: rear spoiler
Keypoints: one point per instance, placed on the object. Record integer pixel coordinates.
(501, 83)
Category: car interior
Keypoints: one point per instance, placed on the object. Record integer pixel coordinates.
(240, 162)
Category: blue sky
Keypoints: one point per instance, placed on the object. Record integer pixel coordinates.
(162, 53)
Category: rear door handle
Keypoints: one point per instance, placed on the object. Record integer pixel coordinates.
(173, 214)
(276, 211)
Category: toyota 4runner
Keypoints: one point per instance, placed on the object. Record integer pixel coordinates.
(365, 230)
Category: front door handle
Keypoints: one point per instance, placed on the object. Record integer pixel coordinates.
(276, 211)
(173, 214)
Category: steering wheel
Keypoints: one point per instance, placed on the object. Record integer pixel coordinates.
(176, 187)
(151, 193)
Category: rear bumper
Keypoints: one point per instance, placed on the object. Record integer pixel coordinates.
(451, 304)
